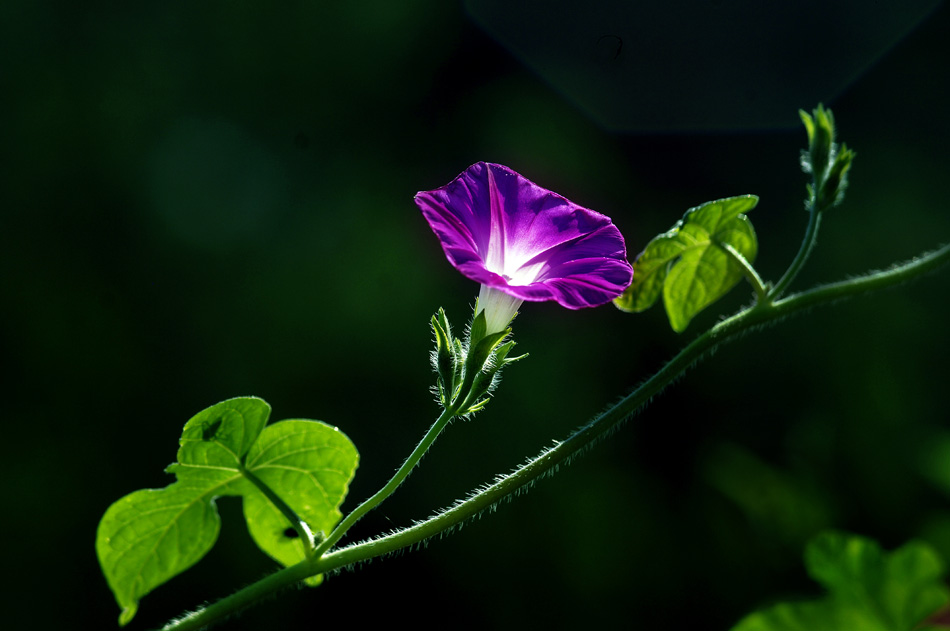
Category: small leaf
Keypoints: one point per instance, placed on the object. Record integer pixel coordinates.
(688, 264)
(868, 589)
(310, 465)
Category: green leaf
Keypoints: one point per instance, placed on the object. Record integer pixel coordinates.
(310, 465)
(219, 436)
(905, 584)
(868, 589)
(809, 616)
(689, 265)
(152, 535)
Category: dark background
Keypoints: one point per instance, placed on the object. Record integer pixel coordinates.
(216, 200)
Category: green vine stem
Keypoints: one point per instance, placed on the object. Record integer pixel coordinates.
(505, 486)
(401, 474)
(811, 234)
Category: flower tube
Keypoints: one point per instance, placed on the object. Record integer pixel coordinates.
(523, 242)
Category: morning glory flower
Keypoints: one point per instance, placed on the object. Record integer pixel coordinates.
(523, 242)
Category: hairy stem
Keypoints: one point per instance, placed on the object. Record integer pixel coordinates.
(401, 474)
(808, 243)
(507, 485)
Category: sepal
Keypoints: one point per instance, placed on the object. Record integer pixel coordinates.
(469, 371)
(445, 358)
(480, 355)
(820, 127)
(479, 326)
(832, 190)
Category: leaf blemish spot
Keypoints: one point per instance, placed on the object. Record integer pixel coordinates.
(208, 431)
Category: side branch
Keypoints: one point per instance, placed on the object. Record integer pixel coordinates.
(872, 281)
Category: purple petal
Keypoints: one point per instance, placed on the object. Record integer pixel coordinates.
(504, 231)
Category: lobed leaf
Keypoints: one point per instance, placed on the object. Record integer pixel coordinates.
(868, 589)
(688, 265)
(152, 535)
(310, 465)
(221, 435)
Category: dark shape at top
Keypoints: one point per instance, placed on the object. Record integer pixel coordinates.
(698, 65)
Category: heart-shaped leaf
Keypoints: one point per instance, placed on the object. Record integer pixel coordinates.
(310, 465)
(689, 265)
(152, 535)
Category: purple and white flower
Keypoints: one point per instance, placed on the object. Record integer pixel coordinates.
(523, 242)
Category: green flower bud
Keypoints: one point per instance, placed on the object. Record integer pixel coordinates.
(820, 126)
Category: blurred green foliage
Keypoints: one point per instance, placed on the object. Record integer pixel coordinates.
(868, 589)
(215, 199)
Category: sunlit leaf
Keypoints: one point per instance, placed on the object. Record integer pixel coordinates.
(868, 589)
(152, 535)
(310, 465)
(219, 436)
(688, 265)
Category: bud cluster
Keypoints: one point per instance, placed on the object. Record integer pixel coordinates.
(827, 163)
(468, 372)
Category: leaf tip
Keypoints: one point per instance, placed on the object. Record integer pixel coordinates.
(128, 613)
(677, 323)
(623, 301)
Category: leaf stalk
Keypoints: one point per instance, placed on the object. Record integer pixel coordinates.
(760, 287)
(804, 250)
(299, 525)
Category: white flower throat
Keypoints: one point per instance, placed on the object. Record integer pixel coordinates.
(498, 306)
